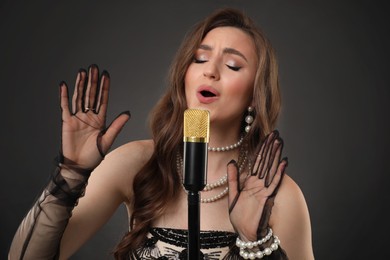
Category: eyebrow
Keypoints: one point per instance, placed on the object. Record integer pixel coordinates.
(225, 50)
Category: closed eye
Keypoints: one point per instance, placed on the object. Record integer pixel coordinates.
(199, 61)
(234, 68)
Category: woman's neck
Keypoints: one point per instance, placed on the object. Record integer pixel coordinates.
(217, 160)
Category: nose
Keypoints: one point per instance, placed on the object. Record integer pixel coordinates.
(211, 71)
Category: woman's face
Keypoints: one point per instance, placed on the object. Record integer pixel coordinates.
(221, 77)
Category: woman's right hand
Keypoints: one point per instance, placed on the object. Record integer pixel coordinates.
(85, 138)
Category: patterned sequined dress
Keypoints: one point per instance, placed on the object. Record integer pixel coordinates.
(167, 243)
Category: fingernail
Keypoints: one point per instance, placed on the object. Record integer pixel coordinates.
(232, 161)
(82, 70)
(127, 112)
(62, 83)
(286, 160)
(106, 74)
(93, 65)
(279, 141)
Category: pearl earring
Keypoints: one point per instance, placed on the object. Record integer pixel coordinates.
(249, 119)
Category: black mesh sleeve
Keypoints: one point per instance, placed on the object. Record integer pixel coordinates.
(39, 235)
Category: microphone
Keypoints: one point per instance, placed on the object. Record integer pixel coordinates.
(196, 138)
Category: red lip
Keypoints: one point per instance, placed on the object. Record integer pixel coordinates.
(207, 94)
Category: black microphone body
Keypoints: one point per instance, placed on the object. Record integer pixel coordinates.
(195, 166)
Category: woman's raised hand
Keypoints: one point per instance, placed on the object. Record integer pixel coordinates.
(251, 197)
(85, 138)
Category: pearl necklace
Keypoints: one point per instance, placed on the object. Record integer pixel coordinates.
(216, 197)
(222, 181)
(226, 148)
(218, 183)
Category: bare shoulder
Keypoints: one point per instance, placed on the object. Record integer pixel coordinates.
(291, 221)
(134, 152)
(290, 206)
(130, 157)
(289, 196)
(120, 166)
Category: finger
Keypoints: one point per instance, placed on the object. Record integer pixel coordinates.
(269, 156)
(105, 88)
(233, 183)
(259, 156)
(270, 159)
(275, 183)
(90, 91)
(274, 161)
(264, 161)
(262, 153)
(113, 130)
(78, 91)
(64, 100)
(103, 82)
(94, 90)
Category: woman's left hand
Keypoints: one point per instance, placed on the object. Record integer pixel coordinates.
(249, 195)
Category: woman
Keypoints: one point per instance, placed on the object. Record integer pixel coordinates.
(226, 66)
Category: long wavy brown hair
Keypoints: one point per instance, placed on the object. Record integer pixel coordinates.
(158, 182)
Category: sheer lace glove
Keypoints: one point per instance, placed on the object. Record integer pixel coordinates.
(85, 141)
(251, 197)
(85, 138)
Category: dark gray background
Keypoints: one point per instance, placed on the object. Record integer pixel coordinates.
(333, 59)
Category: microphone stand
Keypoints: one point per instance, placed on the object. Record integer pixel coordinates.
(194, 181)
(193, 226)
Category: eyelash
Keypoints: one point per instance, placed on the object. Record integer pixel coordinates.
(199, 61)
(234, 68)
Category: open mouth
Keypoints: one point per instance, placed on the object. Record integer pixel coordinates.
(206, 93)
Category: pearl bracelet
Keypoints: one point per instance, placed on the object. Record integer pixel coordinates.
(241, 244)
(261, 253)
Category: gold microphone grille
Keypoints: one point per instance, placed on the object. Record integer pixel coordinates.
(196, 125)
